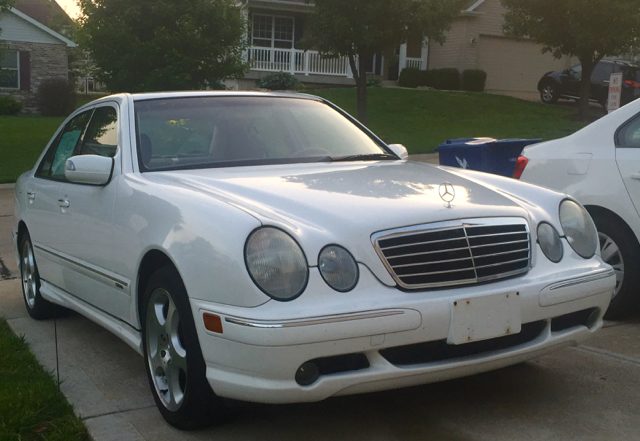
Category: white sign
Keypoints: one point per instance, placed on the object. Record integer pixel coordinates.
(615, 91)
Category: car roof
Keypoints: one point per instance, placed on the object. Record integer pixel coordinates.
(225, 93)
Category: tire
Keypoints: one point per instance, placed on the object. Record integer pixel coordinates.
(620, 249)
(549, 93)
(37, 307)
(173, 359)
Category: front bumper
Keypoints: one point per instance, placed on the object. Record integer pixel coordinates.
(261, 349)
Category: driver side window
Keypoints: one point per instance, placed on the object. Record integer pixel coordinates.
(52, 165)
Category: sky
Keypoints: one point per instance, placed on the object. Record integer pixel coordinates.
(70, 7)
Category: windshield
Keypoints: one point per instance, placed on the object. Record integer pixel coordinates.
(203, 132)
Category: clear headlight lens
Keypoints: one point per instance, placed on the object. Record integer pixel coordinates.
(276, 263)
(578, 228)
(549, 241)
(338, 268)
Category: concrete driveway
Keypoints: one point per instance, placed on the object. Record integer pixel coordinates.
(585, 393)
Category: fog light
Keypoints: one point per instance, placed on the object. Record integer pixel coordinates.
(307, 374)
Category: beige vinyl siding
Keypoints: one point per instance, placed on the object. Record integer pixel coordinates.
(515, 65)
(452, 52)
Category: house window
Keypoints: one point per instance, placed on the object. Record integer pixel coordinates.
(10, 70)
(272, 31)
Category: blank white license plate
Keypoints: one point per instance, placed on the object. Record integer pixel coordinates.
(481, 318)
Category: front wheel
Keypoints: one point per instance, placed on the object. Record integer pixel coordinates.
(175, 367)
(37, 307)
(619, 248)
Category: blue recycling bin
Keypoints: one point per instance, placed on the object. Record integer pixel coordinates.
(483, 154)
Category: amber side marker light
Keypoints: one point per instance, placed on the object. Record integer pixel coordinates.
(212, 322)
(520, 165)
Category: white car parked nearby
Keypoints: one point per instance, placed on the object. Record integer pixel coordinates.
(600, 166)
(269, 248)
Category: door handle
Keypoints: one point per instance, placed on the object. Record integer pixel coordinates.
(63, 203)
(31, 195)
(635, 176)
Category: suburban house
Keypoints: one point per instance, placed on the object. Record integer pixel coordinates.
(31, 53)
(276, 28)
(476, 41)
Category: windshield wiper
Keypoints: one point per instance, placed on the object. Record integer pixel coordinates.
(365, 157)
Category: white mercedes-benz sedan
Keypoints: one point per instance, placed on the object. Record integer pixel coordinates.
(269, 248)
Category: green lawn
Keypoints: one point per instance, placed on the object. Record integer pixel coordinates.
(423, 119)
(22, 140)
(419, 119)
(31, 406)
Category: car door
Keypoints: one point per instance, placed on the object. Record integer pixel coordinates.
(86, 222)
(42, 194)
(571, 81)
(600, 79)
(628, 158)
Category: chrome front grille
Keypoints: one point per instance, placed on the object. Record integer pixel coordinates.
(455, 252)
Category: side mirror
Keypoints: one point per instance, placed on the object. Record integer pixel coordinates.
(399, 150)
(89, 169)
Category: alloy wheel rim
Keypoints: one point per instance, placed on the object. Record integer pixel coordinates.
(28, 272)
(611, 254)
(166, 354)
(547, 93)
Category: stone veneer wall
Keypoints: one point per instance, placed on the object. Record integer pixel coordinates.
(47, 61)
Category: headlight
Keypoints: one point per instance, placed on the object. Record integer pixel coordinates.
(579, 229)
(276, 263)
(549, 241)
(338, 268)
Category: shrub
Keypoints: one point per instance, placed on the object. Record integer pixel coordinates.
(446, 79)
(374, 81)
(9, 105)
(56, 97)
(279, 81)
(474, 80)
(427, 78)
(410, 77)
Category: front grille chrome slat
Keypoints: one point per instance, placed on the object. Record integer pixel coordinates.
(494, 248)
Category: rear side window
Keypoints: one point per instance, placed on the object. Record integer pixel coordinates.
(102, 134)
(602, 72)
(52, 165)
(629, 134)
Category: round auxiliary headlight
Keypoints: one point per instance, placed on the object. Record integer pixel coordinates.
(276, 263)
(338, 268)
(550, 242)
(578, 228)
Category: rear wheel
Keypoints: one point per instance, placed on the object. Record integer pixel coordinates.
(549, 93)
(37, 307)
(620, 249)
(174, 363)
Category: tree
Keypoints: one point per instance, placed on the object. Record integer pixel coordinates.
(359, 29)
(586, 29)
(151, 45)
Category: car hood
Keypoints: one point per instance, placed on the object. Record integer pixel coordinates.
(346, 203)
(368, 196)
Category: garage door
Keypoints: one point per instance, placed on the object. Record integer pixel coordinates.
(515, 65)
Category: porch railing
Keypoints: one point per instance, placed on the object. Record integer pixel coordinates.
(414, 62)
(297, 61)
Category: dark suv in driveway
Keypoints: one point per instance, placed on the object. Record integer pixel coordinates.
(566, 83)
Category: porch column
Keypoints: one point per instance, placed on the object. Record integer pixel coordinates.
(425, 54)
(292, 62)
(305, 54)
(349, 71)
(403, 58)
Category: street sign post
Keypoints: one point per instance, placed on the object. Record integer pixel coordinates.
(615, 92)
